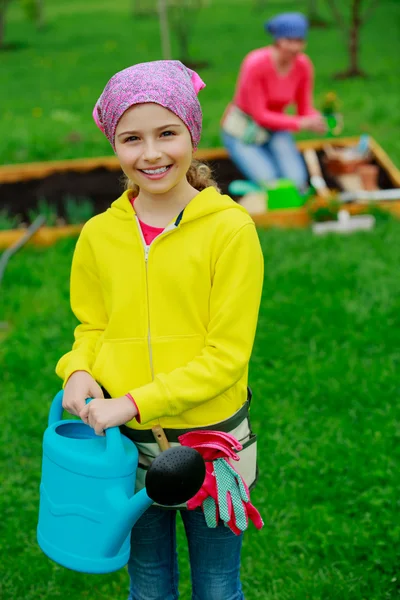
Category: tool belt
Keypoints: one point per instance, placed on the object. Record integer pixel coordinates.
(237, 425)
(240, 125)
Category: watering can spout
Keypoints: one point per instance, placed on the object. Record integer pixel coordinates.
(137, 505)
(129, 510)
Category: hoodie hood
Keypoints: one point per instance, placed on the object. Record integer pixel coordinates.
(207, 202)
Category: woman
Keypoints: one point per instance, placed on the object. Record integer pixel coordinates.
(255, 130)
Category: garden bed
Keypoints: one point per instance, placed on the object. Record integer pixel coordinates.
(24, 186)
(100, 179)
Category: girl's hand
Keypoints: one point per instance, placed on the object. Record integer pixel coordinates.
(103, 413)
(80, 386)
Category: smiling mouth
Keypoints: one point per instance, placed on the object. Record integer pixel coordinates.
(157, 171)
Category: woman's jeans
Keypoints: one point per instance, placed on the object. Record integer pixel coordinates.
(277, 158)
(214, 558)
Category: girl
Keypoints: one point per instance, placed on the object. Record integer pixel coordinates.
(255, 130)
(166, 285)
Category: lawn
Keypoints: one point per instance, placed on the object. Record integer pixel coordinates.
(326, 407)
(52, 78)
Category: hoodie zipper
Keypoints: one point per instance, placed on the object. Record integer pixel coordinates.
(150, 349)
(146, 247)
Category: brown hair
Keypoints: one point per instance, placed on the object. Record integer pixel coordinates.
(199, 176)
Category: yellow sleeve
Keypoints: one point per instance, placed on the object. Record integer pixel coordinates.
(88, 307)
(234, 304)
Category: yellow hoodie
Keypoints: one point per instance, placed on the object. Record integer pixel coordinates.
(172, 323)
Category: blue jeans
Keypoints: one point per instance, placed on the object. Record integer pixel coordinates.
(214, 558)
(277, 158)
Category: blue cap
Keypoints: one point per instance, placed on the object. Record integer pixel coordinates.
(287, 25)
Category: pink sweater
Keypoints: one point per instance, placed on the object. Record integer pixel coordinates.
(264, 94)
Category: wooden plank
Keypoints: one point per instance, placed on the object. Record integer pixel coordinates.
(318, 144)
(287, 218)
(392, 207)
(45, 236)
(40, 170)
(299, 217)
(212, 154)
(385, 162)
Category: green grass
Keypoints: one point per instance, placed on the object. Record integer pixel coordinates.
(54, 78)
(325, 375)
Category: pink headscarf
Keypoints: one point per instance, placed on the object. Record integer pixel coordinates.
(165, 82)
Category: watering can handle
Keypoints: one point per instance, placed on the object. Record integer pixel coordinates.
(113, 434)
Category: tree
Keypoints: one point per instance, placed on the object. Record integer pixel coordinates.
(176, 17)
(358, 16)
(182, 18)
(164, 29)
(3, 9)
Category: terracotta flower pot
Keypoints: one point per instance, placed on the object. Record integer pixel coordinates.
(369, 176)
(340, 167)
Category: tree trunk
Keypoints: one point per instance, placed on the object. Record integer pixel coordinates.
(164, 29)
(183, 37)
(183, 13)
(354, 38)
(354, 69)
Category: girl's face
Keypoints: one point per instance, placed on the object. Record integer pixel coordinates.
(290, 48)
(154, 148)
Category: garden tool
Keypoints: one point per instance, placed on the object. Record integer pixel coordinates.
(87, 501)
(160, 437)
(315, 172)
(224, 494)
(8, 253)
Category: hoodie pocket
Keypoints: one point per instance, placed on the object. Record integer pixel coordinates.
(172, 352)
(122, 365)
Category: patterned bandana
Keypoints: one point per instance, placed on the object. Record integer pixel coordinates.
(165, 82)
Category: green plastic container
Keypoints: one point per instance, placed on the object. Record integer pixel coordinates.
(282, 193)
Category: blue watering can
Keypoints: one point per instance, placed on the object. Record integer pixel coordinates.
(87, 501)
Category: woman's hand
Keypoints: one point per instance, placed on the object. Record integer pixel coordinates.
(315, 123)
(80, 386)
(103, 413)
